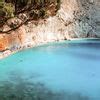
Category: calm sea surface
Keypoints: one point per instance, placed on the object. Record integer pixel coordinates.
(57, 71)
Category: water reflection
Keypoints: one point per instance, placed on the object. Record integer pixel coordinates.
(17, 87)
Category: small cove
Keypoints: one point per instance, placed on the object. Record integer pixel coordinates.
(71, 67)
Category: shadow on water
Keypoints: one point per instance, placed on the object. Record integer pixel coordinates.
(85, 55)
(87, 50)
(86, 45)
(21, 88)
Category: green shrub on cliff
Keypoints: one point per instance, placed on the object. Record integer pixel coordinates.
(34, 8)
(6, 11)
(7, 8)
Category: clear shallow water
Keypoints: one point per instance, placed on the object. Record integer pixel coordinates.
(68, 69)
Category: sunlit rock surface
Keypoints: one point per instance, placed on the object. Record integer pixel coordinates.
(75, 19)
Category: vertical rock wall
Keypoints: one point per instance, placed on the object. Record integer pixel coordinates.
(75, 19)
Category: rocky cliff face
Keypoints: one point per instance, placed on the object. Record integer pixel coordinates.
(75, 19)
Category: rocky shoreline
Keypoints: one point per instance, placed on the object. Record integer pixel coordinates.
(6, 53)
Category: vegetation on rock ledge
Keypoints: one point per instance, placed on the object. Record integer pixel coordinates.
(35, 9)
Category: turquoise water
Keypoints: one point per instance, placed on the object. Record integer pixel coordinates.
(71, 69)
